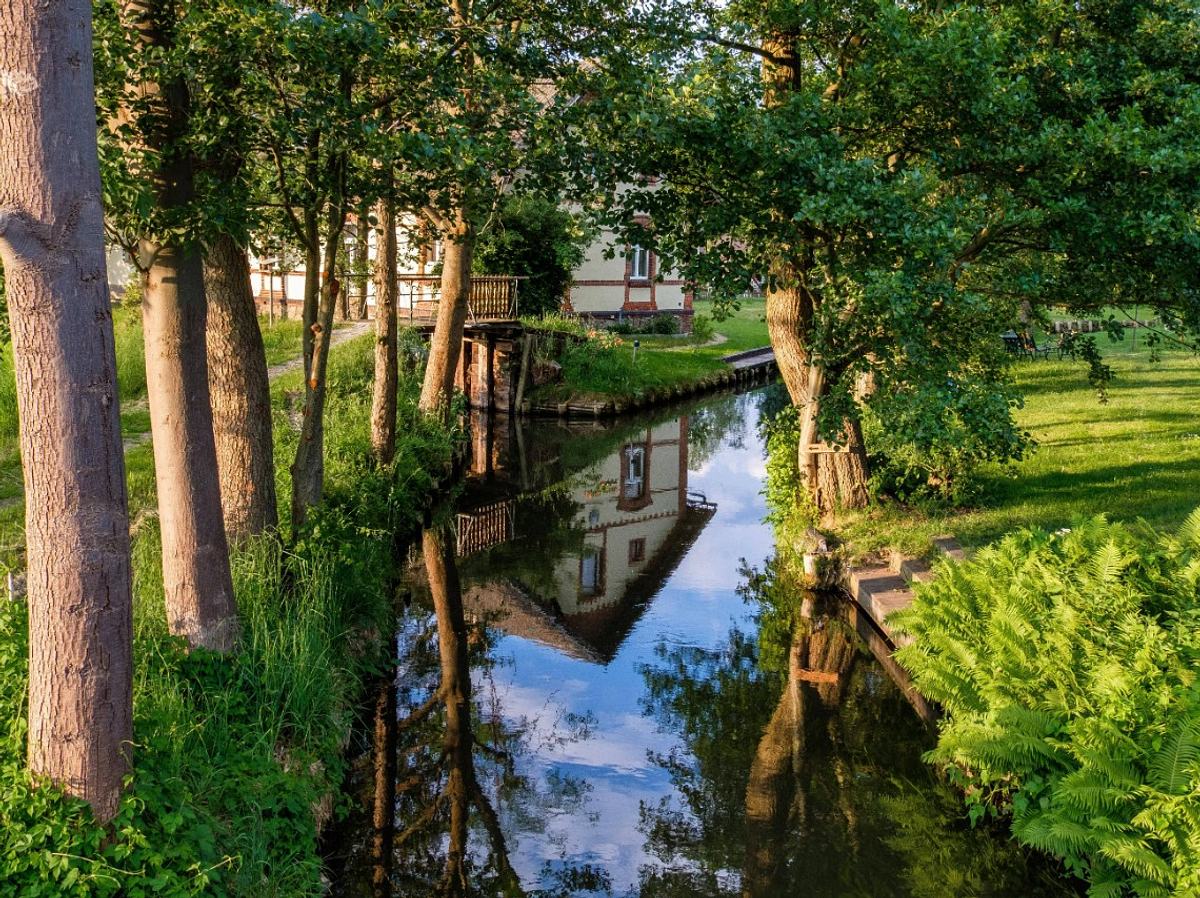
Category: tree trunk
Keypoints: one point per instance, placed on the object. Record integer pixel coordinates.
(196, 577)
(458, 742)
(76, 516)
(308, 470)
(383, 400)
(241, 396)
(458, 250)
(311, 310)
(362, 261)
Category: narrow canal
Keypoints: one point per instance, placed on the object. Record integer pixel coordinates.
(605, 688)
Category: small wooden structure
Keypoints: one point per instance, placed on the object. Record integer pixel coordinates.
(493, 297)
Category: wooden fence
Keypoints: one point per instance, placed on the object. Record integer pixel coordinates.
(493, 297)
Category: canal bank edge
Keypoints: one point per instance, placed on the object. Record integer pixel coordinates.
(752, 368)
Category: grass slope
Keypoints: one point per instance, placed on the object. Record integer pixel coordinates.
(1138, 456)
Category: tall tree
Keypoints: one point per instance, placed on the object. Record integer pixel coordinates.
(77, 527)
(906, 176)
(226, 92)
(155, 109)
(383, 398)
(311, 129)
(491, 123)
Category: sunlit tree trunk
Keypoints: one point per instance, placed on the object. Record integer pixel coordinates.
(241, 397)
(383, 399)
(308, 469)
(834, 475)
(196, 576)
(76, 517)
(458, 251)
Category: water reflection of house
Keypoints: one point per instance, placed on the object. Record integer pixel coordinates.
(638, 520)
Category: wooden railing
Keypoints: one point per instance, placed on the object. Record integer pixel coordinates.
(493, 297)
(485, 527)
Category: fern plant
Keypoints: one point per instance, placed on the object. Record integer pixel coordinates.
(1067, 666)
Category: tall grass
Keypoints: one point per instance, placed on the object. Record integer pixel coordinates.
(233, 754)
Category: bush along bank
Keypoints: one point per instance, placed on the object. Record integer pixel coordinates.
(237, 759)
(1066, 663)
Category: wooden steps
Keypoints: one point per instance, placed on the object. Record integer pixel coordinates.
(881, 590)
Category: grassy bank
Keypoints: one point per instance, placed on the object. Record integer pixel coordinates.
(607, 367)
(232, 755)
(281, 340)
(1137, 456)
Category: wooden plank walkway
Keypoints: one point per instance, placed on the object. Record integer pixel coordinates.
(750, 358)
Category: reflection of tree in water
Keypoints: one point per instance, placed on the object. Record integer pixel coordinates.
(801, 773)
(715, 424)
(444, 768)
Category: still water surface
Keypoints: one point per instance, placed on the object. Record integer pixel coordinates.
(604, 688)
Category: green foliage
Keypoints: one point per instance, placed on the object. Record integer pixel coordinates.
(1048, 156)
(1066, 665)
(789, 503)
(703, 328)
(232, 754)
(929, 439)
(537, 239)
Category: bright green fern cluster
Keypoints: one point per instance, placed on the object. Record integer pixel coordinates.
(1067, 666)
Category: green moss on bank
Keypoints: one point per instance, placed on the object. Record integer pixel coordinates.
(233, 754)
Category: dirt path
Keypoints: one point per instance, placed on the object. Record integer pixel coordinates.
(340, 335)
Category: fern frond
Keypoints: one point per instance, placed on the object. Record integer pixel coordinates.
(1173, 768)
(1189, 533)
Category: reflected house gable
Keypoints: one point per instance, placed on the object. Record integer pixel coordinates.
(636, 523)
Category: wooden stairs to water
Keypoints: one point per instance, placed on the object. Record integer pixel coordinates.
(882, 589)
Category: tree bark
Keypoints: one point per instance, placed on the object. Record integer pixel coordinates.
(76, 514)
(383, 399)
(308, 469)
(362, 261)
(458, 251)
(835, 476)
(196, 576)
(241, 395)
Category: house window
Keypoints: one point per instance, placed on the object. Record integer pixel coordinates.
(637, 550)
(635, 476)
(591, 572)
(639, 264)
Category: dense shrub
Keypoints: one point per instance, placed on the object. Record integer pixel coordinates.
(703, 329)
(929, 441)
(536, 239)
(1067, 664)
(663, 324)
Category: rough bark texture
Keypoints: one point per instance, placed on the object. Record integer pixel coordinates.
(362, 261)
(308, 470)
(458, 251)
(196, 578)
(241, 396)
(76, 517)
(835, 478)
(383, 399)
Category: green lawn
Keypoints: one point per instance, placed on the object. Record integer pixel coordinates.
(281, 340)
(1138, 456)
(660, 362)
